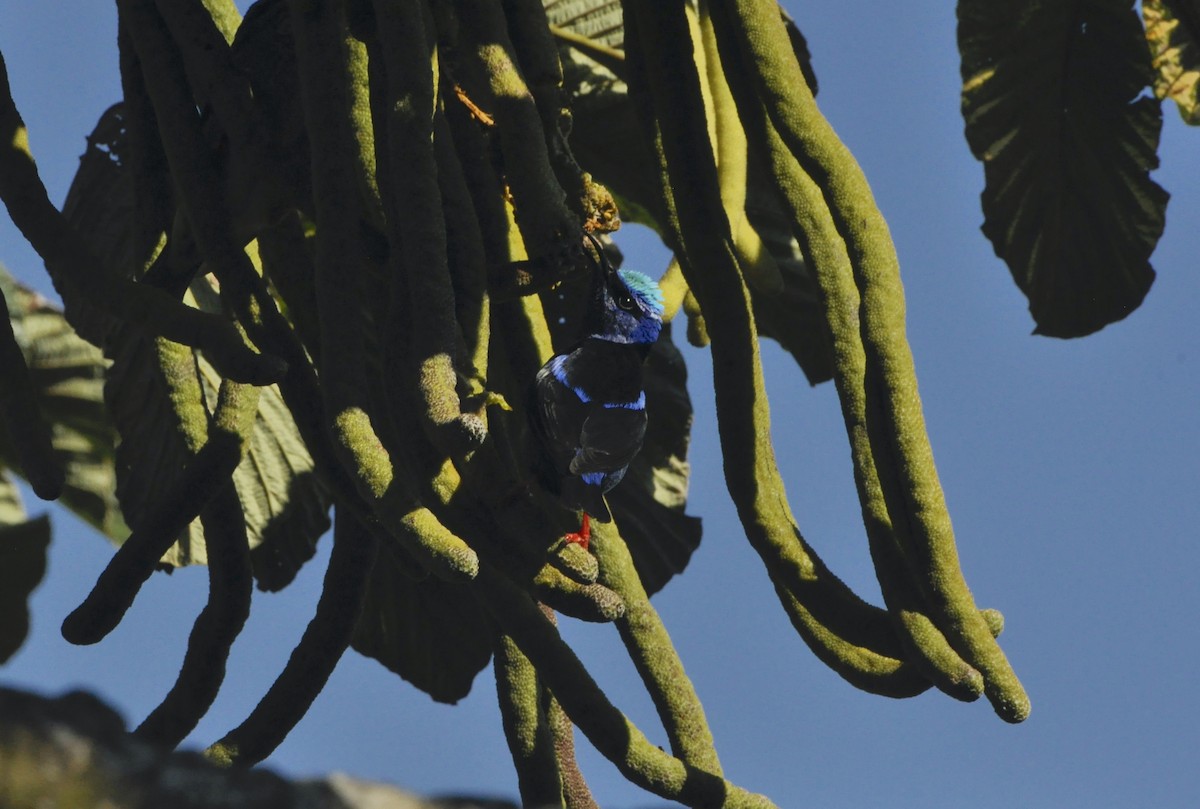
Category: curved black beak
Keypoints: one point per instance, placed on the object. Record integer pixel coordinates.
(601, 262)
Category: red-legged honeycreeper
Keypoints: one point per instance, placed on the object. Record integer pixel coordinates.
(589, 405)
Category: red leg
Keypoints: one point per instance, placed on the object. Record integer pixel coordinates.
(583, 538)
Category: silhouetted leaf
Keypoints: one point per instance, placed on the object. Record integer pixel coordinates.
(1173, 31)
(649, 504)
(23, 544)
(793, 316)
(264, 51)
(1054, 107)
(100, 206)
(286, 509)
(430, 632)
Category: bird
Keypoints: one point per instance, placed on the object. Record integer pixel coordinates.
(589, 403)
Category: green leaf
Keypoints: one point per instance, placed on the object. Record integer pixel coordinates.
(12, 510)
(23, 546)
(1054, 108)
(1173, 32)
(430, 632)
(601, 22)
(598, 20)
(68, 374)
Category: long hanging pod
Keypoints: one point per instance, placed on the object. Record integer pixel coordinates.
(230, 583)
(524, 711)
(337, 129)
(653, 654)
(661, 68)
(417, 230)
(826, 252)
(618, 739)
(895, 425)
(312, 661)
(200, 481)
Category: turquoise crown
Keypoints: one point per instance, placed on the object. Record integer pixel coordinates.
(644, 287)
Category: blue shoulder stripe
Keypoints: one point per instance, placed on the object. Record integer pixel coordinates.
(559, 371)
(637, 404)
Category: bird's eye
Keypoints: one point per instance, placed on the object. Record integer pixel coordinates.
(625, 301)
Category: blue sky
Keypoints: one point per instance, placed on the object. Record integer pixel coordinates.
(1070, 468)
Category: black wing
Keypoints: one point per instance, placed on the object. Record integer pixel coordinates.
(609, 440)
(559, 417)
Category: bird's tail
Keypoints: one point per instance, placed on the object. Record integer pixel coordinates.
(581, 494)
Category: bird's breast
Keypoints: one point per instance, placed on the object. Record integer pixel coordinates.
(606, 373)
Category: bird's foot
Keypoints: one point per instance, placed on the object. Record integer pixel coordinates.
(583, 537)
